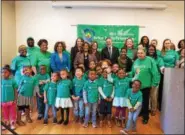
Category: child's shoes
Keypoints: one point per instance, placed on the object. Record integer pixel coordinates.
(66, 122)
(45, 122)
(123, 131)
(85, 125)
(54, 120)
(94, 125)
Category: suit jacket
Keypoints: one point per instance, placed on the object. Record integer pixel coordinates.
(115, 54)
(57, 64)
(74, 51)
(79, 59)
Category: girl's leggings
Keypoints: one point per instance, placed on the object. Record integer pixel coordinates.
(121, 110)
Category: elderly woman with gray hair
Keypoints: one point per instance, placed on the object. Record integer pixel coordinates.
(19, 61)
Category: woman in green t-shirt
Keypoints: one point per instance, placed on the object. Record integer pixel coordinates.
(129, 45)
(145, 70)
(170, 58)
(43, 56)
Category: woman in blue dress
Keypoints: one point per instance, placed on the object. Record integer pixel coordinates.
(60, 59)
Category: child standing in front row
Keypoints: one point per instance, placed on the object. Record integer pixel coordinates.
(121, 84)
(134, 101)
(42, 79)
(63, 99)
(50, 93)
(91, 97)
(8, 97)
(77, 89)
(28, 87)
(107, 95)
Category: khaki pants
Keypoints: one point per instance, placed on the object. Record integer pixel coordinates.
(153, 99)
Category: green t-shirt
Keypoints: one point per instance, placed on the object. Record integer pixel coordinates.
(17, 64)
(85, 75)
(8, 87)
(41, 78)
(64, 88)
(113, 75)
(170, 58)
(51, 92)
(42, 59)
(146, 71)
(92, 91)
(130, 53)
(158, 53)
(31, 51)
(78, 86)
(107, 87)
(121, 86)
(27, 85)
(134, 97)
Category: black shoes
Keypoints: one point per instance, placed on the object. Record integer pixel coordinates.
(55, 121)
(145, 121)
(60, 121)
(45, 122)
(66, 122)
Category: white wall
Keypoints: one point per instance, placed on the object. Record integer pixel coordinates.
(8, 32)
(39, 20)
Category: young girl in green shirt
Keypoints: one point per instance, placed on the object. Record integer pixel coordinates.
(63, 99)
(8, 97)
(28, 87)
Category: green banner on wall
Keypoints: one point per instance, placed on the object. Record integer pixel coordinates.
(99, 33)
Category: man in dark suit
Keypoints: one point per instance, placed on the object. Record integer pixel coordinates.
(110, 52)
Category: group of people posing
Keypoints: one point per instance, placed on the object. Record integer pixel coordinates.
(89, 81)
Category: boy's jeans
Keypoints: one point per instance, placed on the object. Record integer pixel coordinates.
(79, 108)
(91, 107)
(40, 106)
(47, 109)
(132, 119)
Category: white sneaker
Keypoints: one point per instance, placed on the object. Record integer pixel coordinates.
(12, 127)
(3, 128)
(123, 132)
(23, 113)
(94, 126)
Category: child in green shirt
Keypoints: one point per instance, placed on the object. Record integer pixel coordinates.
(115, 68)
(8, 97)
(91, 98)
(134, 101)
(107, 95)
(28, 87)
(63, 99)
(121, 84)
(50, 93)
(42, 79)
(77, 96)
(92, 66)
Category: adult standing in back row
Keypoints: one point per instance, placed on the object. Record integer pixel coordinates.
(110, 52)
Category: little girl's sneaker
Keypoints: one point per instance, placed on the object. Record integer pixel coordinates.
(3, 128)
(125, 132)
(85, 125)
(12, 127)
(94, 125)
(23, 113)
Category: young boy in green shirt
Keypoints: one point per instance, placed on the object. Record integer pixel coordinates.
(77, 94)
(91, 98)
(134, 101)
(50, 93)
(42, 79)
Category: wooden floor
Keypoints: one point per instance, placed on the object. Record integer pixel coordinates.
(37, 127)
